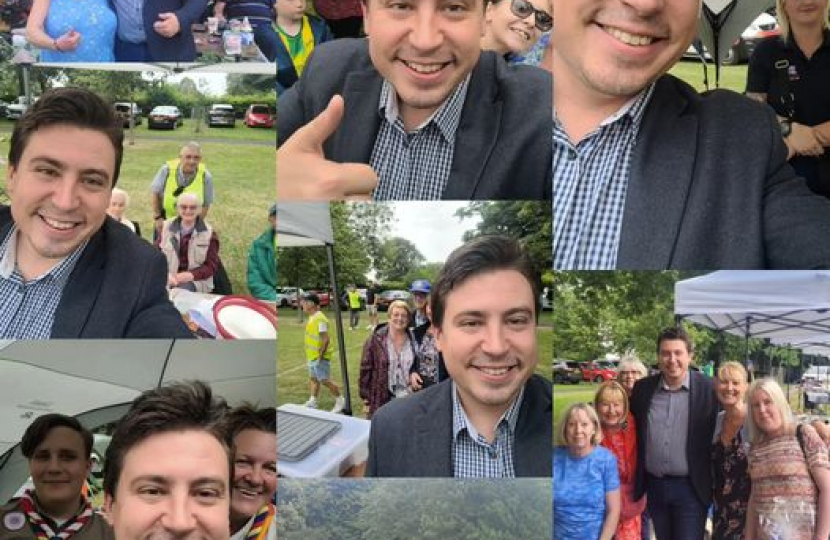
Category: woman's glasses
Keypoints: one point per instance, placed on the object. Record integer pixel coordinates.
(524, 9)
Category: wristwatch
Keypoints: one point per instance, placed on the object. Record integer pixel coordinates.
(786, 126)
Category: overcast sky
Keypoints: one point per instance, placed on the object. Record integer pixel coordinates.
(431, 226)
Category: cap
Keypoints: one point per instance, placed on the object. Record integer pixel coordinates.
(311, 297)
(421, 286)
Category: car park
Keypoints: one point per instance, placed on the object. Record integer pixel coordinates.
(593, 371)
(125, 111)
(387, 297)
(164, 116)
(565, 371)
(221, 114)
(259, 115)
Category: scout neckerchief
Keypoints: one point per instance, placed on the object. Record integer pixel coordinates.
(42, 528)
(262, 521)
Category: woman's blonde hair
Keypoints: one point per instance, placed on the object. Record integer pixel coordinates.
(399, 304)
(784, 20)
(610, 387)
(775, 393)
(733, 367)
(561, 437)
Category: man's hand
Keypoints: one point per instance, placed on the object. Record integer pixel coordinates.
(415, 381)
(303, 173)
(184, 277)
(167, 25)
(804, 142)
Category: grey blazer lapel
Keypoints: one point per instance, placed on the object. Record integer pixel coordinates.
(662, 171)
(433, 444)
(82, 289)
(355, 139)
(477, 131)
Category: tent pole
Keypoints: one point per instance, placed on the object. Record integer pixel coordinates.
(338, 321)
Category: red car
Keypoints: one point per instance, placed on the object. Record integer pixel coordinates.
(591, 371)
(259, 116)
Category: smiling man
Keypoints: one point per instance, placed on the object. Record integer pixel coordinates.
(493, 417)
(66, 269)
(167, 471)
(647, 173)
(429, 113)
(675, 413)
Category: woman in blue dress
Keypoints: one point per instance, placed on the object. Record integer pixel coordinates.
(72, 30)
(586, 484)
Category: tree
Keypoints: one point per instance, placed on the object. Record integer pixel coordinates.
(398, 258)
(246, 84)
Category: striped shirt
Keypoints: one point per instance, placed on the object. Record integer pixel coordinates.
(472, 455)
(27, 309)
(590, 181)
(259, 11)
(415, 165)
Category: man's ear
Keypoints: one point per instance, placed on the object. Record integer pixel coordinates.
(107, 508)
(439, 337)
(11, 179)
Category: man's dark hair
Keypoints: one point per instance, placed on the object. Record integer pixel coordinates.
(675, 333)
(479, 256)
(178, 407)
(40, 428)
(71, 106)
(246, 416)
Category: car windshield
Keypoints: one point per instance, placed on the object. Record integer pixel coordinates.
(260, 109)
(165, 110)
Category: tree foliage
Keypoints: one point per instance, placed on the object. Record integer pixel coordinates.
(398, 258)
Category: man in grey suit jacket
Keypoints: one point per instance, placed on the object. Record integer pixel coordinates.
(433, 115)
(66, 269)
(650, 175)
(493, 417)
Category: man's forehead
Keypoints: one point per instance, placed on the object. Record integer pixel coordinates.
(471, 3)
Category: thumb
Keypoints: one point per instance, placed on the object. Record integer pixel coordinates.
(165, 16)
(312, 136)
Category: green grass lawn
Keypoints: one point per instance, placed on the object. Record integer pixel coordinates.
(292, 375)
(244, 187)
(731, 77)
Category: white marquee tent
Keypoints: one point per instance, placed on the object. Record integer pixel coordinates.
(95, 381)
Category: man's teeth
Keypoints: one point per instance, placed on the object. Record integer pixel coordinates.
(629, 39)
(248, 493)
(60, 225)
(424, 68)
(493, 371)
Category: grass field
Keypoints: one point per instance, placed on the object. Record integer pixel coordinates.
(244, 187)
(731, 77)
(292, 375)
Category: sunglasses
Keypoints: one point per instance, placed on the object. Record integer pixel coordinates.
(524, 9)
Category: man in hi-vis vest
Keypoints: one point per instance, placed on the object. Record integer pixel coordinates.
(318, 353)
(186, 174)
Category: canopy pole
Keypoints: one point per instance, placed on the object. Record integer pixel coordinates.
(338, 321)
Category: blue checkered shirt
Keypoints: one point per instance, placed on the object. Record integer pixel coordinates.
(27, 309)
(415, 165)
(472, 455)
(589, 186)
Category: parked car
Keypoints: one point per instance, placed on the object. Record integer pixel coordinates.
(816, 375)
(125, 110)
(763, 27)
(387, 297)
(15, 110)
(221, 114)
(259, 116)
(287, 296)
(593, 371)
(165, 116)
(565, 371)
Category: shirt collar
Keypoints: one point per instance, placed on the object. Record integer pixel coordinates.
(633, 110)
(8, 259)
(461, 421)
(447, 117)
(684, 384)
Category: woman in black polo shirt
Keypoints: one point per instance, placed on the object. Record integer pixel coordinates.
(792, 75)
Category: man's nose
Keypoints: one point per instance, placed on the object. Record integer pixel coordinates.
(178, 516)
(65, 194)
(426, 32)
(495, 343)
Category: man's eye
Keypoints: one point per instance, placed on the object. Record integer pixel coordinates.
(150, 491)
(47, 171)
(517, 321)
(209, 495)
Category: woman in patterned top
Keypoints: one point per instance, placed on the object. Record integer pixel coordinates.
(586, 484)
(730, 448)
(619, 434)
(58, 450)
(789, 469)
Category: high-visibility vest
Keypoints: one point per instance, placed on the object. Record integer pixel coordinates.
(313, 340)
(197, 186)
(354, 299)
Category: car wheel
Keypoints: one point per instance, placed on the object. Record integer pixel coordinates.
(598, 379)
(733, 57)
(557, 379)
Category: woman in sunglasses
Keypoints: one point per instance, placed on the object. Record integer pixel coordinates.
(513, 27)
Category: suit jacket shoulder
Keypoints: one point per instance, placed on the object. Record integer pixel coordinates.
(713, 166)
(181, 47)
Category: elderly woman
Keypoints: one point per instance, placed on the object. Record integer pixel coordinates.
(388, 355)
(619, 435)
(789, 469)
(513, 27)
(586, 484)
(790, 75)
(58, 449)
(72, 30)
(629, 371)
(190, 246)
(119, 201)
(730, 449)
